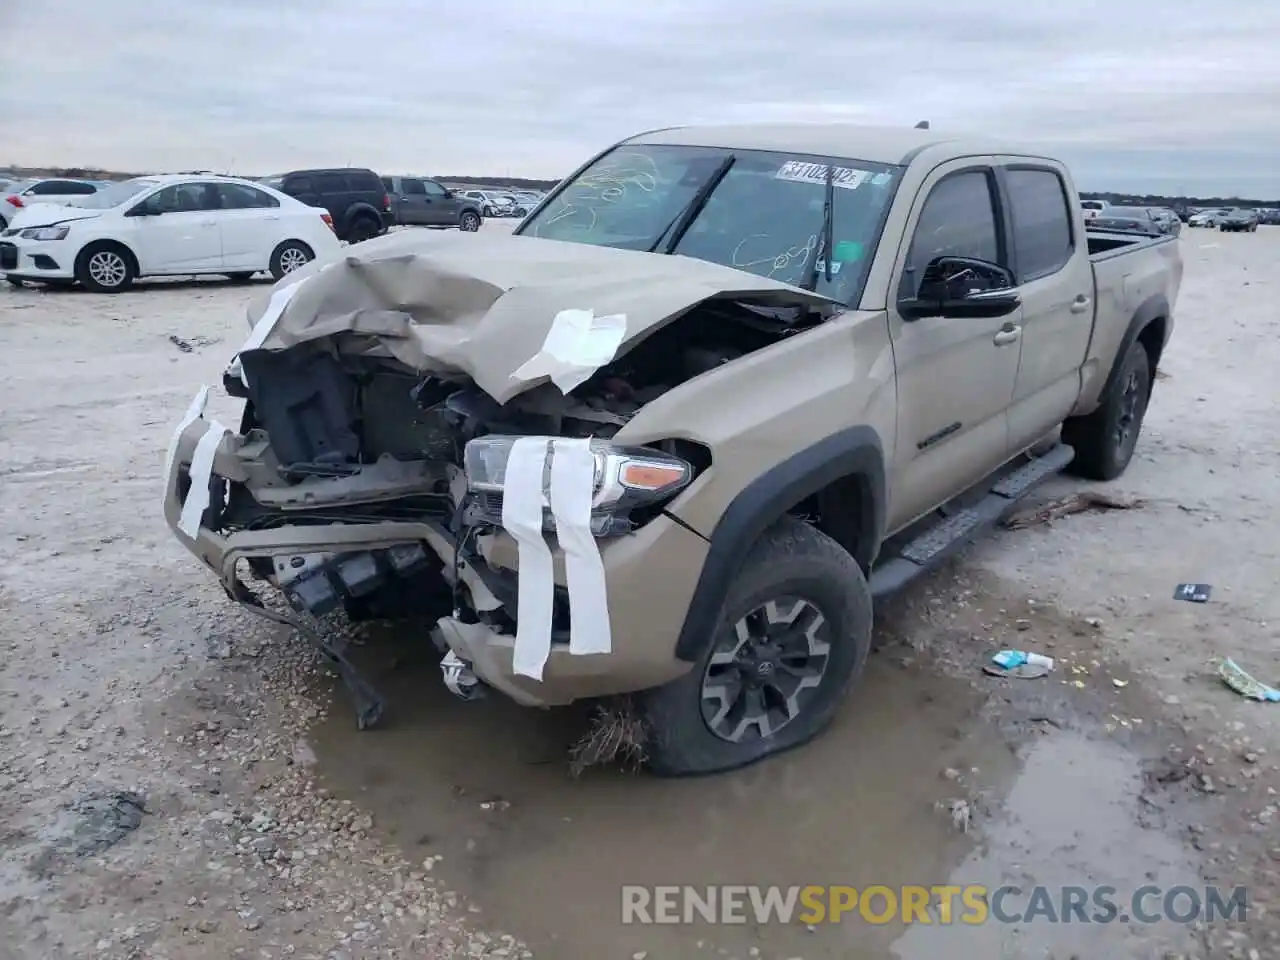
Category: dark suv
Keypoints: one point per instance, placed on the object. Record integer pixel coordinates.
(354, 197)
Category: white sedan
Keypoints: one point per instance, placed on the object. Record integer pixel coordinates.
(173, 225)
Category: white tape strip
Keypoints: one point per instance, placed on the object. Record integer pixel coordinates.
(266, 323)
(194, 412)
(573, 475)
(522, 502)
(201, 470)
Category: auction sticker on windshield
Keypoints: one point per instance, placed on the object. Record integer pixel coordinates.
(801, 171)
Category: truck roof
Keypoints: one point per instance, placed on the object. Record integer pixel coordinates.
(853, 140)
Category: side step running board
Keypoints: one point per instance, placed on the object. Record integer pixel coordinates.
(926, 551)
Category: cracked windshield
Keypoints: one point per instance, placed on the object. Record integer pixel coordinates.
(758, 211)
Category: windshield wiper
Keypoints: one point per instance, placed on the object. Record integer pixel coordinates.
(681, 221)
(823, 247)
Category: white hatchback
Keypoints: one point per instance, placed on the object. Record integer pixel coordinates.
(172, 225)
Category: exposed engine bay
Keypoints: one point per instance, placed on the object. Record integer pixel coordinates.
(327, 414)
(354, 439)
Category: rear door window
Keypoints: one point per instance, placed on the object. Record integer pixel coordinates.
(1043, 240)
(329, 183)
(364, 182)
(239, 196)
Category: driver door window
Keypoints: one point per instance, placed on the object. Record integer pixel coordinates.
(185, 198)
(958, 220)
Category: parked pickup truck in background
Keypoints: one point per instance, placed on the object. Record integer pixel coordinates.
(670, 439)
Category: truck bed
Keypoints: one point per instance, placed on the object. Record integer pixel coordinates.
(1131, 274)
(1104, 244)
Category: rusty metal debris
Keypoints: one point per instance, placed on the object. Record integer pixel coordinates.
(1065, 506)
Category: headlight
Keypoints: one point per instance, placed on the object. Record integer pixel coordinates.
(625, 478)
(45, 233)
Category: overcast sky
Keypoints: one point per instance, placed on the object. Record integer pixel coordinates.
(1167, 95)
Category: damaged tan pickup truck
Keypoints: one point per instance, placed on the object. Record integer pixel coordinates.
(722, 388)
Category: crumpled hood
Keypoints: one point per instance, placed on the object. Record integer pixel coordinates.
(49, 214)
(485, 304)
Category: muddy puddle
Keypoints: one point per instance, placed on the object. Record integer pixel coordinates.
(545, 856)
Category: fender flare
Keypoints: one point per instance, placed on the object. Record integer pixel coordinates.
(856, 451)
(1153, 308)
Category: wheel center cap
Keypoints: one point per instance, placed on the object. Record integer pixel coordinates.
(764, 668)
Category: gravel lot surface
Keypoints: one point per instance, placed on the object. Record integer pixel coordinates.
(179, 780)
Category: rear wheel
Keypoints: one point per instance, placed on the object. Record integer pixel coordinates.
(794, 631)
(1104, 441)
(362, 228)
(289, 256)
(105, 267)
(469, 222)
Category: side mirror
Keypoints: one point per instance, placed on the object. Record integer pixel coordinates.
(962, 287)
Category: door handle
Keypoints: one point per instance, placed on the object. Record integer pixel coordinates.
(1006, 336)
(1080, 304)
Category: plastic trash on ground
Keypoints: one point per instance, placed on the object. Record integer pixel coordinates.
(1239, 681)
(1019, 664)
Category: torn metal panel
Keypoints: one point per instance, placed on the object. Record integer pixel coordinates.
(483, 306)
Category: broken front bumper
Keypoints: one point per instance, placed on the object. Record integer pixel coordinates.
(650, 574)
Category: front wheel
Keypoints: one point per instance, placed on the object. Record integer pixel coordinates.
(105, 268)
(794, 631)
(1104, 441)
(469, 222)
(289, 256)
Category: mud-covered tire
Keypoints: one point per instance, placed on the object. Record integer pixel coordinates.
(792, 561)
(1104, 441)
(106, 267)
(289, 256)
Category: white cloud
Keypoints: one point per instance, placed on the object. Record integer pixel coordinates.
(1137, 92)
